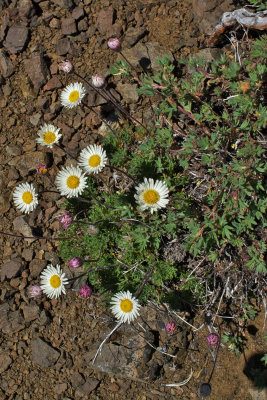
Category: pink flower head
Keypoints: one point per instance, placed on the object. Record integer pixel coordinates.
(66, 219)
(67, 66)
(98, 81)
(75, 262)
(41, 169)
(213, 339)
(35, 291)
(170, 327)
(85, 291)
(114, 44)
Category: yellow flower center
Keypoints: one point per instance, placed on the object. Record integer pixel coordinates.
(73, 182)
(55, 281)
(126, 305)
(151, 196)
(27, 197)
(94, 161)
(49, 137)
(74, 96)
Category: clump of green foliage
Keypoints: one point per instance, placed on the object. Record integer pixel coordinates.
(260, 4)
(206, 142)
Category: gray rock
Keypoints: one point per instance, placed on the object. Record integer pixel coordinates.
(137, 55)
(29, 160)
(155, 51)
(105, 20)
(10, 269)
(11, 322)
(4, 203)
(35, 119)
(37, 70)
(77, 13)
(16, 38)
(21, 226)
(207, 13)
(68, 26)
(77, 379)
(65, 46)
(133, 35)
(13, 150)
(30, 312)
(87, 387)
(6, 65)
(128, 92)
(43, 354)
(63, 3)
(127, 357)
(5, 361)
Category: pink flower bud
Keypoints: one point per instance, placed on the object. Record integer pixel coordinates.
(114, 44)
(75, 262)
(66, 219)
(35, 291)
(67, 66)
(213, 339)
(41, 169)
(85, 291)
(98, 81)
(170, 327)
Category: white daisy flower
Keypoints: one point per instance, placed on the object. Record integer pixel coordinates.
(53, 281)
(125, 306)
(93, 159)
(72, 95)
(25, 197)
(48, 135)
(153, 195)
(70, 181)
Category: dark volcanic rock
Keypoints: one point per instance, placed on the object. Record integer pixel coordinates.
(6, 66)
(16, 38)
(37, 70)
(10, 269)
(43, 354)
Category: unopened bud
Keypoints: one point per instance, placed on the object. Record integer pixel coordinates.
(170, 327)
(66, 219)
(98, 81)
(35, 291)
(114, 44)
(213, 339)
(85, 291)
(75, 262)
(67, 66)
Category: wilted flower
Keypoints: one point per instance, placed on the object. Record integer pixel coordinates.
(114, 44)
(75, 262)
(93, 230)
(213, 339)
(67, 66)
(170, 327)
(85, 291)
(41, 169)
(66, 219)
(98, 81)
(35, 291)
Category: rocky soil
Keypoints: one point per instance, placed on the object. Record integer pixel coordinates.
(48, 346)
